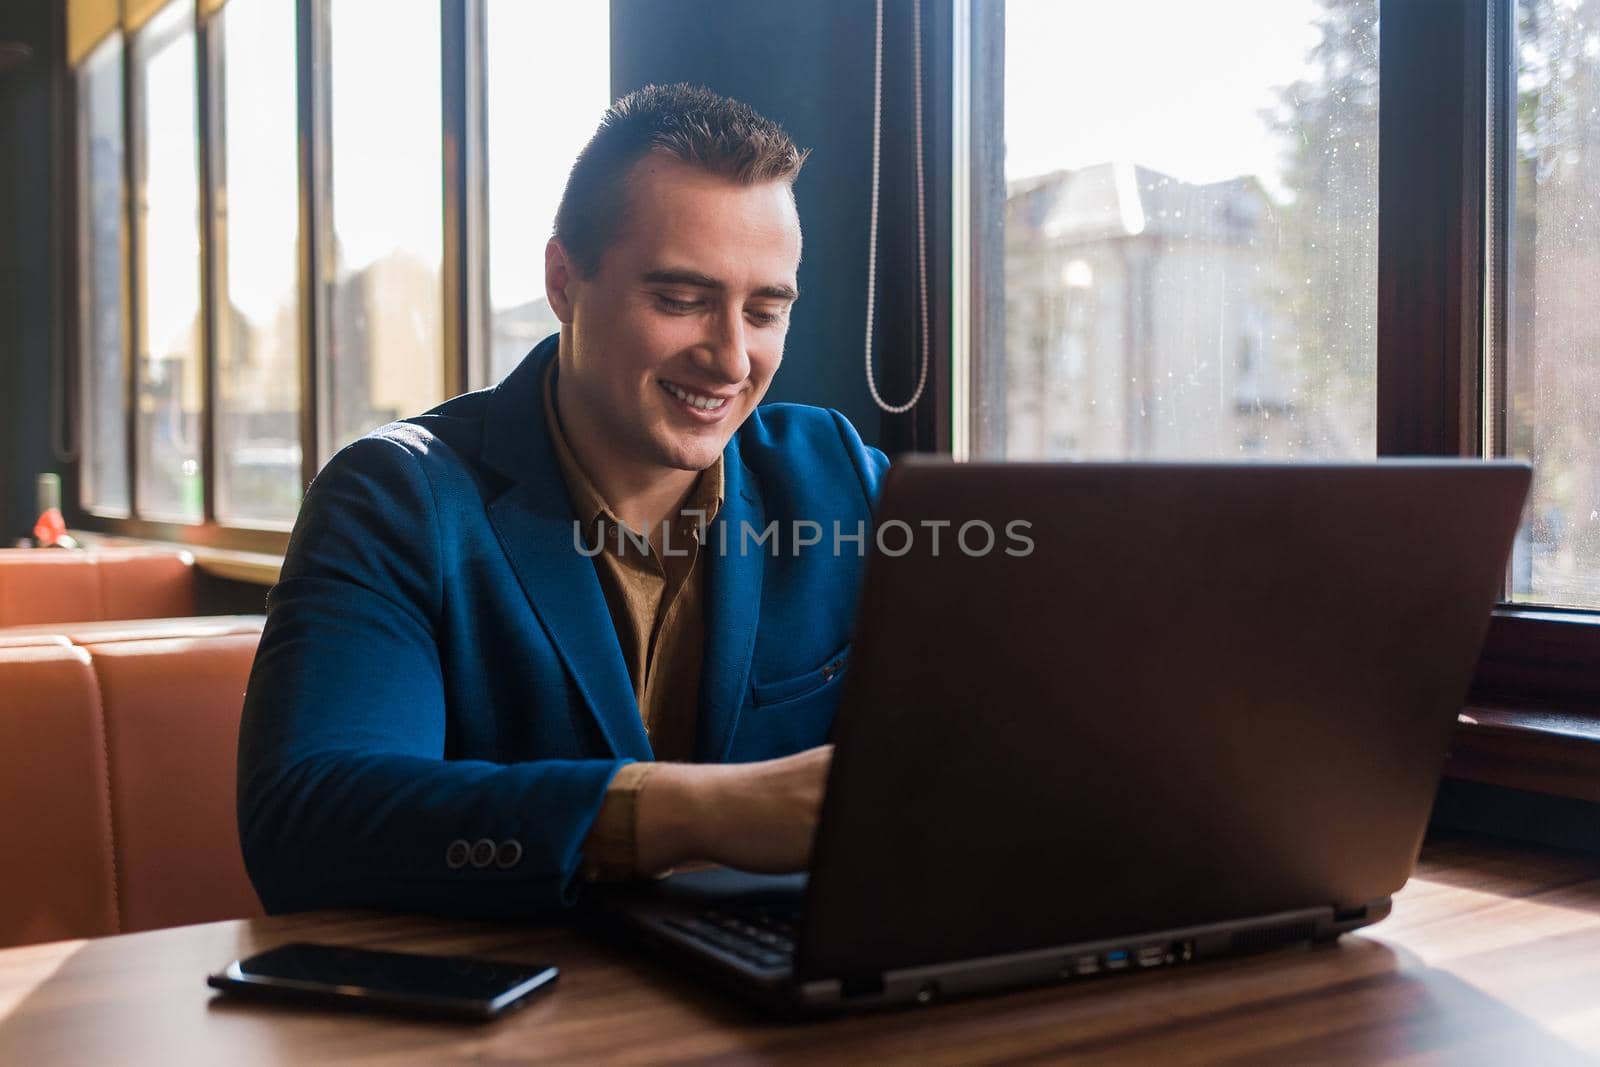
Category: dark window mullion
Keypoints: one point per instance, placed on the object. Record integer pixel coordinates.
(933, 432)
(1430, 226)
(987, 373)
(133, 277)
(1532, 656)
(1499, 233)
(312, 100)
(71, 159)
(475, 145)
(213, 260)
(455, 70)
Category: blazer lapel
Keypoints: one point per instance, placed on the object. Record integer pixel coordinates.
(733, 607)
(535, 523)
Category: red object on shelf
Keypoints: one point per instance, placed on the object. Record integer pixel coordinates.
(50, 529)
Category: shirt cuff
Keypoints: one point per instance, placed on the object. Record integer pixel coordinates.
(610, 852)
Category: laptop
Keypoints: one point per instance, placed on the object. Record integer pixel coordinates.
(1204, 714)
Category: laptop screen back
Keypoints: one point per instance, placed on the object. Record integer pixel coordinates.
(1200, 693)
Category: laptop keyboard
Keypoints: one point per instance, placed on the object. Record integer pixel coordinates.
(761, 937)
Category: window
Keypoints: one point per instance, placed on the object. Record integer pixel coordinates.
(297, 248)
(167, 236)
(537, 50)
(1190, 231)
(256, 212)
(383, 282)
(1552, 394)
(1455, 321)
(103, 414)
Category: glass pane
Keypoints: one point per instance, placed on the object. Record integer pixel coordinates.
(1190, 230)
(1553, 362)
(537, 51)
(167, 431)
(258, 318)
(105, 436)
(384, 301)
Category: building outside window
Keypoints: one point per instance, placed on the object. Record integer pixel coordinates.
(1553, 338)
(1190, 230)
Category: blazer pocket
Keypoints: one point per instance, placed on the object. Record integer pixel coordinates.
(802, 685)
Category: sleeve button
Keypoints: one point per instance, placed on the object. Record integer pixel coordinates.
(482, 852)
(455, 857)
(509, 854)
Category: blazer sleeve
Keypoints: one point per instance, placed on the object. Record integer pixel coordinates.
(345, 798)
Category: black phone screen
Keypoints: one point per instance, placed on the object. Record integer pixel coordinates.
(454, 985)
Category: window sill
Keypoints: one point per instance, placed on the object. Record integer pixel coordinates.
(255, 568)
(1551, 751)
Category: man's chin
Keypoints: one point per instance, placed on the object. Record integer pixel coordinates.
(691, 456)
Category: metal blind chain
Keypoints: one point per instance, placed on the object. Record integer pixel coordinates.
(872, 226)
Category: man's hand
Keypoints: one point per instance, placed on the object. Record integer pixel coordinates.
(754, 816)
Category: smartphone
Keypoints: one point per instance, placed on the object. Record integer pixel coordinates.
(457, 987)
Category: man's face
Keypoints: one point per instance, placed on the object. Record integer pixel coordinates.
(677, 335)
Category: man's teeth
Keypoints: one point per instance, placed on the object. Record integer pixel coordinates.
(704, 403)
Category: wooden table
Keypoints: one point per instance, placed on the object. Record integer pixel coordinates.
(1492, 955)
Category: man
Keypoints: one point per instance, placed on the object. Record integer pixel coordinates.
(561, 630)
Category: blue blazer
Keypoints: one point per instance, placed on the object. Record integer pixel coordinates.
(439, 699)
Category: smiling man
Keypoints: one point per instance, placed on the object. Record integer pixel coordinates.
(561, 630)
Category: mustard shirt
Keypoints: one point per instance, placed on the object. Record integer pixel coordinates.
(654, 589)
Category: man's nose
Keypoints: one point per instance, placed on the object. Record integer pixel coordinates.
(725, 353)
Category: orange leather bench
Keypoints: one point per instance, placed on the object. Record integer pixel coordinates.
(55, 808)
(39, 585)
(118, 748)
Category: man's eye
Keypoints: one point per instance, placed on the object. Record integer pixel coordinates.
(765, 318)
(676, 305)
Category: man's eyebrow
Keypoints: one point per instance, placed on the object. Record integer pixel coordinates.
(674, 276)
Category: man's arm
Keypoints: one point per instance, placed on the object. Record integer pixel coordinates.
(755, 816)
(345, 798)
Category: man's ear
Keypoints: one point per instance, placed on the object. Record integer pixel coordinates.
(559, 276)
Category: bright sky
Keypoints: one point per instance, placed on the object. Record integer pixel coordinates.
(1172, 84)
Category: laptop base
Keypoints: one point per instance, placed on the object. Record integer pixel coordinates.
(686, 917)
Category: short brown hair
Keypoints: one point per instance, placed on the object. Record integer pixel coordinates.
(688, 122)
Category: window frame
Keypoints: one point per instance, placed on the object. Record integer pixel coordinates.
(1537, 690)
(453, 143)
(1532, 718)
(80, 332)
(462, 145)
(218, 311)
(138, 282)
